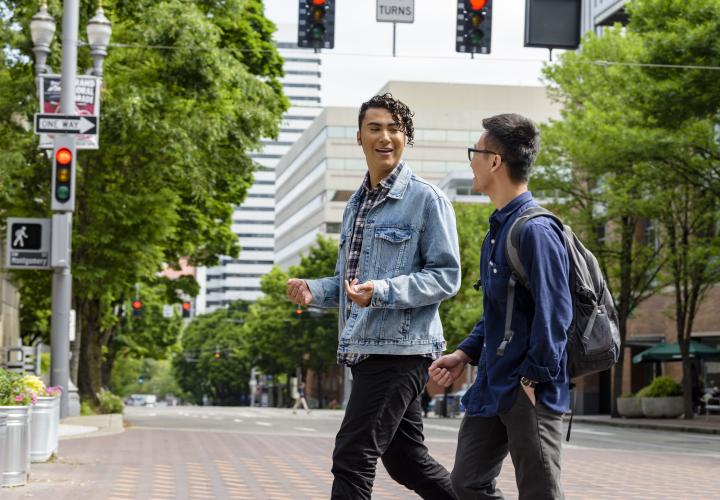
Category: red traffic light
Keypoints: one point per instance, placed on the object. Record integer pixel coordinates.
(63, 156)
(478, 4)
(298, 311)
(186, 306)
(319, 2)
(137, 305)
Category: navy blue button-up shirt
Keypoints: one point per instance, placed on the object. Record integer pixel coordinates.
(541, 317)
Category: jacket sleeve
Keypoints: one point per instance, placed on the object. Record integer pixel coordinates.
(439, 279)
(544, 256)
(326, 291)
(473, 344)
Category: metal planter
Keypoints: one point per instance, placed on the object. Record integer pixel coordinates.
(3, 442)
(17, 446)
(43, 429)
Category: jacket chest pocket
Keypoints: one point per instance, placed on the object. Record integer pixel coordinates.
(390, 250)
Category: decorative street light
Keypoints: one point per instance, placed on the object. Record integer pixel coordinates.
(98, 33)
(42, 29)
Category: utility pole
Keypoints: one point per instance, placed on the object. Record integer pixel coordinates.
(62, 220)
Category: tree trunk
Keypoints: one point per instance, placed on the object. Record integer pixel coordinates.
(89, 374)
(320, 395)
(687, 382)
(627, 234)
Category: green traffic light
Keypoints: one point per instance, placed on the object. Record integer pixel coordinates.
(318, 32)
(62, 193)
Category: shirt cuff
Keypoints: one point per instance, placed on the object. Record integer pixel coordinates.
(473, 348)
(316, 289)
(537, 373)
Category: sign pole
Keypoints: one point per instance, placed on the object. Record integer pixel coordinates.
(394, 33)
(62, 278)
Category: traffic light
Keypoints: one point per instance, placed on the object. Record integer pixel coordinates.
(298, 312)
(186, 309)
(474, 26)
(218, 354)
(63, 174)
(316, 24)
(137, 307)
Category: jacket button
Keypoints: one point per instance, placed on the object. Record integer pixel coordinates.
(492, 241)
(494, 271)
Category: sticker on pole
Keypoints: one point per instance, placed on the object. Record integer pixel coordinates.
(395, 11)
(28, 243)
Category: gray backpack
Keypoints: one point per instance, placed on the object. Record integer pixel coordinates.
(593, 338)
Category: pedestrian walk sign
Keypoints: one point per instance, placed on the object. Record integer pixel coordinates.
(28, 243)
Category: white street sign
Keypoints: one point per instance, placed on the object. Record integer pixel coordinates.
(395, 11)
(167, 311)
(72, 325)
(65, 124)
(87, 103)
(28, 243)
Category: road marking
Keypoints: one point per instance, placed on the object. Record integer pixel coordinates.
(238, 421)
(308, 429)
(219, 418)
(594, 433)
(266, 424)
(153, 415)
(204, 417)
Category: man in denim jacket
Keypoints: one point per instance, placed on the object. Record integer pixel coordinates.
(398, 259)
(516, 403)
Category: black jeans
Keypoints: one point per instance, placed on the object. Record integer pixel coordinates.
(383, 419)
(532, 435)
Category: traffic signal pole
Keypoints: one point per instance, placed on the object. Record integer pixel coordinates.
(62, 221)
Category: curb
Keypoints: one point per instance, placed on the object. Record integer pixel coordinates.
(102, 425)
(649, 426)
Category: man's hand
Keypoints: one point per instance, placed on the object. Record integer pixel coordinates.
(448, 368)
(361, 294)
(298, 292)
(530, 391)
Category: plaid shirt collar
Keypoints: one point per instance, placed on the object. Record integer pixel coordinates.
(385, 183)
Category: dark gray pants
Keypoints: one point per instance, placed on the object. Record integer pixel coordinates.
(532, 435)
(383, 420)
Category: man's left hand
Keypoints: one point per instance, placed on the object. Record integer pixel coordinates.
(530, 391)
(360, 293)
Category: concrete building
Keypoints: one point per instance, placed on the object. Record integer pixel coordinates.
(253, 221)
(325, 166)
(598, 13)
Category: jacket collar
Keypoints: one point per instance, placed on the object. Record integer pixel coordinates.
(398, 187)
(500, 216)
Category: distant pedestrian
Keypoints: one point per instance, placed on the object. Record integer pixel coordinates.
(522, 386)
(398, 260)
(300, 399)
(425, 399)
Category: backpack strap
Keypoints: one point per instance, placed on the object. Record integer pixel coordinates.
(518, 274)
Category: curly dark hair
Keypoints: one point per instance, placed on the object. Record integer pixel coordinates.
(398, 110)
(518, 141)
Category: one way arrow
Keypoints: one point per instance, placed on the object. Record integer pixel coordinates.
(65, 124)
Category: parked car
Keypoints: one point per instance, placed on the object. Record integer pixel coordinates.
(454, 403)
(141, 400)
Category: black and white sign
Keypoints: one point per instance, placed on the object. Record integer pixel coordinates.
(395, 11)
(28, 243)
(65, 124)
(87, 103)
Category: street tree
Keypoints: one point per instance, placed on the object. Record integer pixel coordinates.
(189, 89)
(595, 165)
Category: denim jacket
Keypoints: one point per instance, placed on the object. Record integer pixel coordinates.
(410, 252)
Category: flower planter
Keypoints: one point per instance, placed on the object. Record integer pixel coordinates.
(17, 447)
(3, 442)
(43, 429)
(668, 407)
(629, 407)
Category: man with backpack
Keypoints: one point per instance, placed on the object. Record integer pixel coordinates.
(519, 345)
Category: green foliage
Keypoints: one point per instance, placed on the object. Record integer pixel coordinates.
(661, 387)
(109, 402)
(459, 314)
(156, 375)
(177, 125)
(215, 358)
(17, 389)
(87, 408)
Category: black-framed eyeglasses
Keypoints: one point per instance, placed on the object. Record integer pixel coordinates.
(473, 150)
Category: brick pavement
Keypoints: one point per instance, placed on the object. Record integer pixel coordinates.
(167, 464)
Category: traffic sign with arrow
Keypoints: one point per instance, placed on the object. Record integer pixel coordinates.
(65, 124)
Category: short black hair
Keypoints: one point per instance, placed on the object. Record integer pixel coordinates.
(398, 110)
(518, 141)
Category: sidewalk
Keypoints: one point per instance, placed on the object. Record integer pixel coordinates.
(91, 426)
(704, 424)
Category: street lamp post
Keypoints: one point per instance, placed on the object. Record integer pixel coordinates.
(42, 27)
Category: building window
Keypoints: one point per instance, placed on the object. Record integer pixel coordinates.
(332, 227)
(342, 195)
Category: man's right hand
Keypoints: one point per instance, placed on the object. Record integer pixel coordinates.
(298, 292)
(448, 368)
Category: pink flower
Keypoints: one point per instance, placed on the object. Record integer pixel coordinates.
(19, 397)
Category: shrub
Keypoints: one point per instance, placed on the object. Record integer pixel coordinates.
(86, 408)
(661, 387)
(109, 402)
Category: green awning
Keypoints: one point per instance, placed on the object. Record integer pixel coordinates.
(671, 352)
